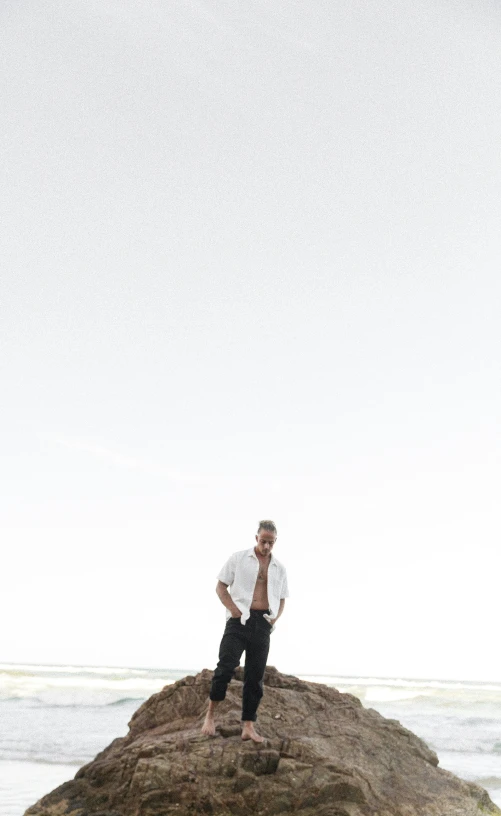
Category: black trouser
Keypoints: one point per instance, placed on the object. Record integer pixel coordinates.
(254, 638)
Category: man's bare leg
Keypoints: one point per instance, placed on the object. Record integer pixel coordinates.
(209, 726)
(249, 732)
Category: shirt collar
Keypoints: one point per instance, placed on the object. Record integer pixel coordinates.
(252, 554)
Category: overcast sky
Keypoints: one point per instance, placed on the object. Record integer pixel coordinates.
(250, 267)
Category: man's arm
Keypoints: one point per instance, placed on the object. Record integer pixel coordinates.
(226, 599)
(280, 610)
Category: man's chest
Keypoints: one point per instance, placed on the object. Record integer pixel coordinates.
(262, 572)
(254, 572)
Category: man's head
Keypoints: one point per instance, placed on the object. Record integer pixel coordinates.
(266, 537)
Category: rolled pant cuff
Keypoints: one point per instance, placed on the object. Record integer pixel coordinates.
(246, 717)
(216, 698)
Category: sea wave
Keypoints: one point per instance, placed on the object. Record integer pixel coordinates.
(488, 781)
(96, 702)
(102, 686)
(34, 669)
(403, 683)
(439, 693)
(65, 686)
(26, 757)
(478, 747)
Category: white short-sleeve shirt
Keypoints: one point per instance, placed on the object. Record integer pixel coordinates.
(240, 575)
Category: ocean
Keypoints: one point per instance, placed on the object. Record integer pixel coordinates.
(56, 718)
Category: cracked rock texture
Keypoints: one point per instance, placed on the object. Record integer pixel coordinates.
(325, 755)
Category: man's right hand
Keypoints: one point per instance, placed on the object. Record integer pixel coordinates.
(227, 601)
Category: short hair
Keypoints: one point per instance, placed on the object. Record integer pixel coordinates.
(267, 525)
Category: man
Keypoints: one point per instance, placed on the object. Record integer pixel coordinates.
(258, 585)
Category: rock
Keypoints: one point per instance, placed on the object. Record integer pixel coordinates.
(325, 755)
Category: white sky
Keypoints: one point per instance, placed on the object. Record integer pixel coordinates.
(250, 268)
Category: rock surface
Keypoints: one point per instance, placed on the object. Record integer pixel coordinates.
(325, 755)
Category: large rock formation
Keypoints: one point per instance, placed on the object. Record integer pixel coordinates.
(325, 755)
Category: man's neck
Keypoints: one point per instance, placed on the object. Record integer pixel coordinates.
(262, 557)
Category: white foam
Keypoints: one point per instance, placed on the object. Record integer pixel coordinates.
(385, 694)
(28, 668)
(453, 685)
(72, 688)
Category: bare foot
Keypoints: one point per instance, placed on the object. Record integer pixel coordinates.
(209, 726)
(249, 732)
